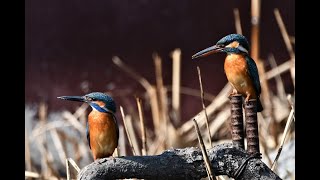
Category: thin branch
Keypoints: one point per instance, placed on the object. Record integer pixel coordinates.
(208, 166)
(204, 107)
(125, 127)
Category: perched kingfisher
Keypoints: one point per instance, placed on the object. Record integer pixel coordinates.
(241, 70)
(102, 128)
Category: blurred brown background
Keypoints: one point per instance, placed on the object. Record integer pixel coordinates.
(70, 44)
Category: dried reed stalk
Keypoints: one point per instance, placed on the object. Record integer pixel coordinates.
(204, 107)
(176, 72)
(286, 39)
(58, 145)
(278, 70)
(255, 20)
(43, 140)
(286, 131)
(29, 174)
(207, 162)
(68, 170)
(142, 127)
(163, 120)
(279, 82)
(219, 120)
(151, 90)
(125, 127)
(74, 121)
(133, 136)
(27, 151)
(237, 20)
(193, 92)
(74, 164)
(220, 100)
(122, 143)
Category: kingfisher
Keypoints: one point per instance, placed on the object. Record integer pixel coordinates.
(101, 128)
(240, 69)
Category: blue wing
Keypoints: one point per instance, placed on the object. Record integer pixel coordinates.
(117, 127)
(254, 74)
(88, 134)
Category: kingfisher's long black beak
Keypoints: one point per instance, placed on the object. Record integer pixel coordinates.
(208, 51)
(73, 98)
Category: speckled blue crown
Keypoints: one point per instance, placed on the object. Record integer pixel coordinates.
(234, 37)
(110, 104)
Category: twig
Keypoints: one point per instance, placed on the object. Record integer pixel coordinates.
(142, 127)
(237, 20)
(286, 130)
(125, 127)
(176, 62)
(76, 167)
(208, 166)
(68, 169)
(204, 107)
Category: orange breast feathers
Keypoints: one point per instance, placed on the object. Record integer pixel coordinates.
(103, 136)
(236, 69)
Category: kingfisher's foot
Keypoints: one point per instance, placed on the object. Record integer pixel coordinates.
(234, 92)
(247, 98)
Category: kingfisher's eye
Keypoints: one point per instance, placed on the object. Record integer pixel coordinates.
(91, 99)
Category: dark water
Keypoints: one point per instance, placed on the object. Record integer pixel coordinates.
(70, 44)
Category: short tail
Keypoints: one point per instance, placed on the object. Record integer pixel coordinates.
(259, 105)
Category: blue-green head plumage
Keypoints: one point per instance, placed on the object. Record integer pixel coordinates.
(234, 37)
(230, 44)
(99, 96)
